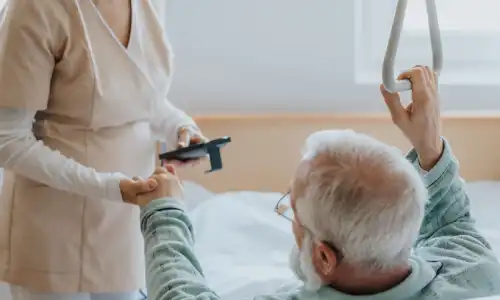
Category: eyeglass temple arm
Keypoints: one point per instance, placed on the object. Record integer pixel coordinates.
(388, 77)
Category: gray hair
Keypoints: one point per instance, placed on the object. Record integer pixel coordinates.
(362, 196)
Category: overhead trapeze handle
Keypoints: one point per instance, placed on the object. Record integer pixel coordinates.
(388, 77)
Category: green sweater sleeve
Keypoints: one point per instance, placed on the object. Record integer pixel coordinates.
(448, 234)
(172, 270)
(447, 213)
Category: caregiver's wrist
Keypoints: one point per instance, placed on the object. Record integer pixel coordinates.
(112, 187)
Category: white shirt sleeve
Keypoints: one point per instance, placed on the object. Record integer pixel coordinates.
(167, 121)
(22, 154)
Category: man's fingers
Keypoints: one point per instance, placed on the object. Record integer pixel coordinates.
(171, 169)
(393, 102)
(417, 76)
(168, 168)
(160, 170)
(432, 76)
(424, 72)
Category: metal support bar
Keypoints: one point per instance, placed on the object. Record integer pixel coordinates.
(388, 76)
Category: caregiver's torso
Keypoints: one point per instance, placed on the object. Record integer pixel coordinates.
(103, 95)
(103, 92)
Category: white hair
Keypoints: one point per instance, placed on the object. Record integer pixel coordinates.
(362, 196)
(301, 263)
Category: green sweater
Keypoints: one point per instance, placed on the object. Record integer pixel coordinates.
(451, 260)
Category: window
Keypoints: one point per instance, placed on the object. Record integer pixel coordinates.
(455, 15)
(470, 36)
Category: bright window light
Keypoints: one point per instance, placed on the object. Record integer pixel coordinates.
(455, 15)
(470, 32)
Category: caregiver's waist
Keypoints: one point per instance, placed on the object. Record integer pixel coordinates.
(129, 148)
(48, 127)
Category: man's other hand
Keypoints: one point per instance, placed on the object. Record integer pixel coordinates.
(420, 121)
(168, 186)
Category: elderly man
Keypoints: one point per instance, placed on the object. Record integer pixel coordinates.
(368, 223)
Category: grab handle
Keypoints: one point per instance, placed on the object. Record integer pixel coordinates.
(388, 77)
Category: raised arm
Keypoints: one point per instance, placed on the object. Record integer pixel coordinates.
(31, 33)
(448, 235)
(448, 222)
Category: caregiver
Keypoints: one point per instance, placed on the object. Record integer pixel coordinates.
(83, 88)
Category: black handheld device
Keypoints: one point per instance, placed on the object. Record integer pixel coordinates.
(197, 151)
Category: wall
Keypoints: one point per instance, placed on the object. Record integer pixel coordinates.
(266, 149)
(235, 56)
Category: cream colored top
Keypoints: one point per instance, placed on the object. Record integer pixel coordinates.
(78, 111)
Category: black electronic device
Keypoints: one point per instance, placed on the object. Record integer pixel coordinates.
(198, 151)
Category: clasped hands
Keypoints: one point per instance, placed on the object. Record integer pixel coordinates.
(164, 183)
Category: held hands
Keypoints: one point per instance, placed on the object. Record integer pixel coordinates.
(167, 184)
(420, 121)
(131, 188)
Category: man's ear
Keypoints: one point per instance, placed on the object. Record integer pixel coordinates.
(324, 258)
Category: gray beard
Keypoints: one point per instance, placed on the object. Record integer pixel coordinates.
(302, 266)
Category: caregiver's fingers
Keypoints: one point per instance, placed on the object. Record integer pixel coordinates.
(184, 138)
(198, 139)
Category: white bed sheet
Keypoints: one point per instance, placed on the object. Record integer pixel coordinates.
(243, 245)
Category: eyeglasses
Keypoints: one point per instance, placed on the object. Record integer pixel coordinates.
(284, 209)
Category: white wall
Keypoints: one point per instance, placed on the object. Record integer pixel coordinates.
(279, 56)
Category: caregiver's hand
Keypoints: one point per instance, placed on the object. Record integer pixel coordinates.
(131, 188)
(168, 186)
(420, 121)
(188, 135)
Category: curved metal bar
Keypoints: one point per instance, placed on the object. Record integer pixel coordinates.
(388, 76)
